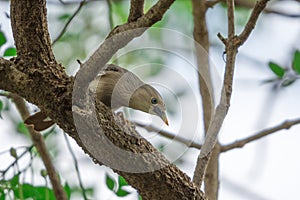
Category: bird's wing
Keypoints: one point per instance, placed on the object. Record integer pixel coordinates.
(115, 85)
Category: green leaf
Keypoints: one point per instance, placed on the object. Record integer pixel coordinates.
(122, 193)
(110, 183)
(1, 108)
(277, 69)
(34, 192)
(2, 38)
(2, 195)
(21, 128)
(11, 51)
(67, 190)
(14, 181)
(64, 17)
(122, 181)
(296, 62)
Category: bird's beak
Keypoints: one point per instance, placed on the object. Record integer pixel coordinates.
(164, 118)
(161, 114)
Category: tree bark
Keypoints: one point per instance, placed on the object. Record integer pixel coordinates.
(36, 76)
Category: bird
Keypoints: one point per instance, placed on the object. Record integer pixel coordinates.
(116, 87)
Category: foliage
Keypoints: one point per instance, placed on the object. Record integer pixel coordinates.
(9, 51)
(27, 190)
(286, 76)
(116, 186)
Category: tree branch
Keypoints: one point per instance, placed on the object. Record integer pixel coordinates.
(201, 37)
(47, 85)
(36, 25)
(173, 184)
(202, 53)
(221, 110)
(212, 3)
(40, 145)
(62, 32)
(76, 167)
(251, 4)
(258, 8)
(232, 43)
(136, 10)
(169, 135)
(240, 143)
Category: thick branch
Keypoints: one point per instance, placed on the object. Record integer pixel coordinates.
(259, 135)
(120, 147)
(33, 20)
(51, 89)
(136, 10)
(173, 184)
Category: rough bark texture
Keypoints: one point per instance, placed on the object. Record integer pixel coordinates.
(35, 75)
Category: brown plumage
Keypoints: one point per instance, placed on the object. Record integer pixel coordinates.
(117, 87)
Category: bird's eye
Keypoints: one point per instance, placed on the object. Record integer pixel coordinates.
(154, 100)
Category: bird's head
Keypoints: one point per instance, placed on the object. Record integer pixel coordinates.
(148, 100)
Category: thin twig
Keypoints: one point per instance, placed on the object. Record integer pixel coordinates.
(76, 166)
(110, 14)
(136, 10)
(258, 8)
(40, 145)
(250, 5)
(230, 13)
(240, 143)
(82, 3)
(111, 24)
(28, 149)
(169, 135)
